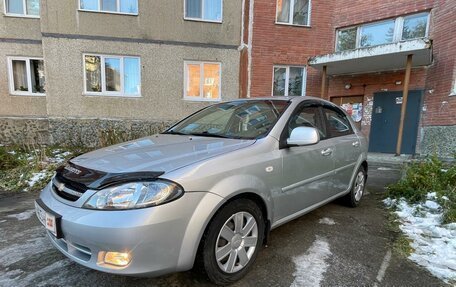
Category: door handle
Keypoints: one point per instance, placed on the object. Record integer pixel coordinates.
(326, 152)
(355, 144)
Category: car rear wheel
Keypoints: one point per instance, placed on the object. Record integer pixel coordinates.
(232, 241)
(353, 198)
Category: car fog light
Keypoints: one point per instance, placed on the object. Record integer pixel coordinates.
(117, 258)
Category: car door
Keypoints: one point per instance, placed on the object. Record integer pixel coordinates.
(306, 169)
(347, 147)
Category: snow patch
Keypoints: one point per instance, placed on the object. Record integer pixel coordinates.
(311, 266)
(327, 221)
(434, 244)
(36, 177)
(23, 215)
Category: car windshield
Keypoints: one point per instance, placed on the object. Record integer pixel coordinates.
(241, 119)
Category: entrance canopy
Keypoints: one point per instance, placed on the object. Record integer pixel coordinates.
(387, 57)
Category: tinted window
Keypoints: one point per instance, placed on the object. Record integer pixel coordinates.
(336, 122)
(307, 116)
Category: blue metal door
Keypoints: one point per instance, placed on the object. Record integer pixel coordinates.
(386, 114)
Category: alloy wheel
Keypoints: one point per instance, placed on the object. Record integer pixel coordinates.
(359, 185)
(236, 242)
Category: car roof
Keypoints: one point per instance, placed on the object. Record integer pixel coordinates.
(281, 98)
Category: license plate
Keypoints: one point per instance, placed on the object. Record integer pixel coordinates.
(49, 220)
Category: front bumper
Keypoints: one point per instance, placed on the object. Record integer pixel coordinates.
(160, 239)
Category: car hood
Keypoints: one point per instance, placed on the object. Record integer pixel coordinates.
(158, 153)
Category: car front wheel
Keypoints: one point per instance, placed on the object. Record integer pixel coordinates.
(232, 241)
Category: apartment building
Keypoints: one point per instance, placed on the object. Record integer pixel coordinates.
(363, 55)
(70, 69)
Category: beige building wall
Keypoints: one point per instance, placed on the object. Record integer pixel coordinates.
(162, 78)
(18, 37)
(157, 19)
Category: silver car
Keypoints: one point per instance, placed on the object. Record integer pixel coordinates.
(207, 191)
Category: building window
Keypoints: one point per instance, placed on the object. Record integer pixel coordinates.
(202, 81)
(23, 8)
(293, 12)
(110, 6)
(383, 32)
(204, 10)
(112, 75)
(289, 81)
(26, 76)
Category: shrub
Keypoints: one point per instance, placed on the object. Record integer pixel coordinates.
(8, 159)
(423, 177)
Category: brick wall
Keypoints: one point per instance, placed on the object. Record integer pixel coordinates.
(288, 45)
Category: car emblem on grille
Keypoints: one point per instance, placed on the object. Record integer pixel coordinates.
(60, 187)
(72, 169)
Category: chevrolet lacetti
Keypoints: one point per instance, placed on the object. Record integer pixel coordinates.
(207, 191)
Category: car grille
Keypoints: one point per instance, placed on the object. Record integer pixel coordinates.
(73, 249)
(67, 189)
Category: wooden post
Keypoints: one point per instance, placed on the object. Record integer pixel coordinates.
(408, 69)
(323, 83)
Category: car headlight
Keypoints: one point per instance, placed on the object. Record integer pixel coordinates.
(135, 195)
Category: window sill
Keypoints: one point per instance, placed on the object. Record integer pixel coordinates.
(101, 95)
(108, 12)
(452, 94)
(293, 25)
(203, 20)
(190, 99)
(27, 94)
(21, 16)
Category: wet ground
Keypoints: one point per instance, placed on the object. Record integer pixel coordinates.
(331, 246)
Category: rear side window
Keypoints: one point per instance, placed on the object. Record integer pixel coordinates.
(337, 122)
(307, 116)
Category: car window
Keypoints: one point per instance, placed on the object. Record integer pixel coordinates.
(307, 116)
(337, 122)
(238, 119)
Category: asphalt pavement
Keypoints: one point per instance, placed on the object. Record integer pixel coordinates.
(331, 246)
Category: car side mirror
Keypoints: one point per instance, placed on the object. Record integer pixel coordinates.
(303, 136)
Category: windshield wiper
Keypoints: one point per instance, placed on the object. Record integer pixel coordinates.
(175, 133)
(208, 134)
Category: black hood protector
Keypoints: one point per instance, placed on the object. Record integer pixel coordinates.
(81, 179)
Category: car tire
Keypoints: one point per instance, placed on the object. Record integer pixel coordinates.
(242, 249)
(353, 198)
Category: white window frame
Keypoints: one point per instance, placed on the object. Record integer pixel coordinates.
(287, 79)
(24, 7)
(398, 29)
(29, 79)
(290, 20)
(108, 12)
(202, 13)
(103, 92)
(201, 98)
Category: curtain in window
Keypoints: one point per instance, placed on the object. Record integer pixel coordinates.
(283, 11)
(193, 8)
(193, 80)
(279, 81)
(93, 73)
(132, 79)
(211, 83)
(15, 6)
(301, 12)
(33, 7)
(295, 81)
(20, 75)
(37, 75)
